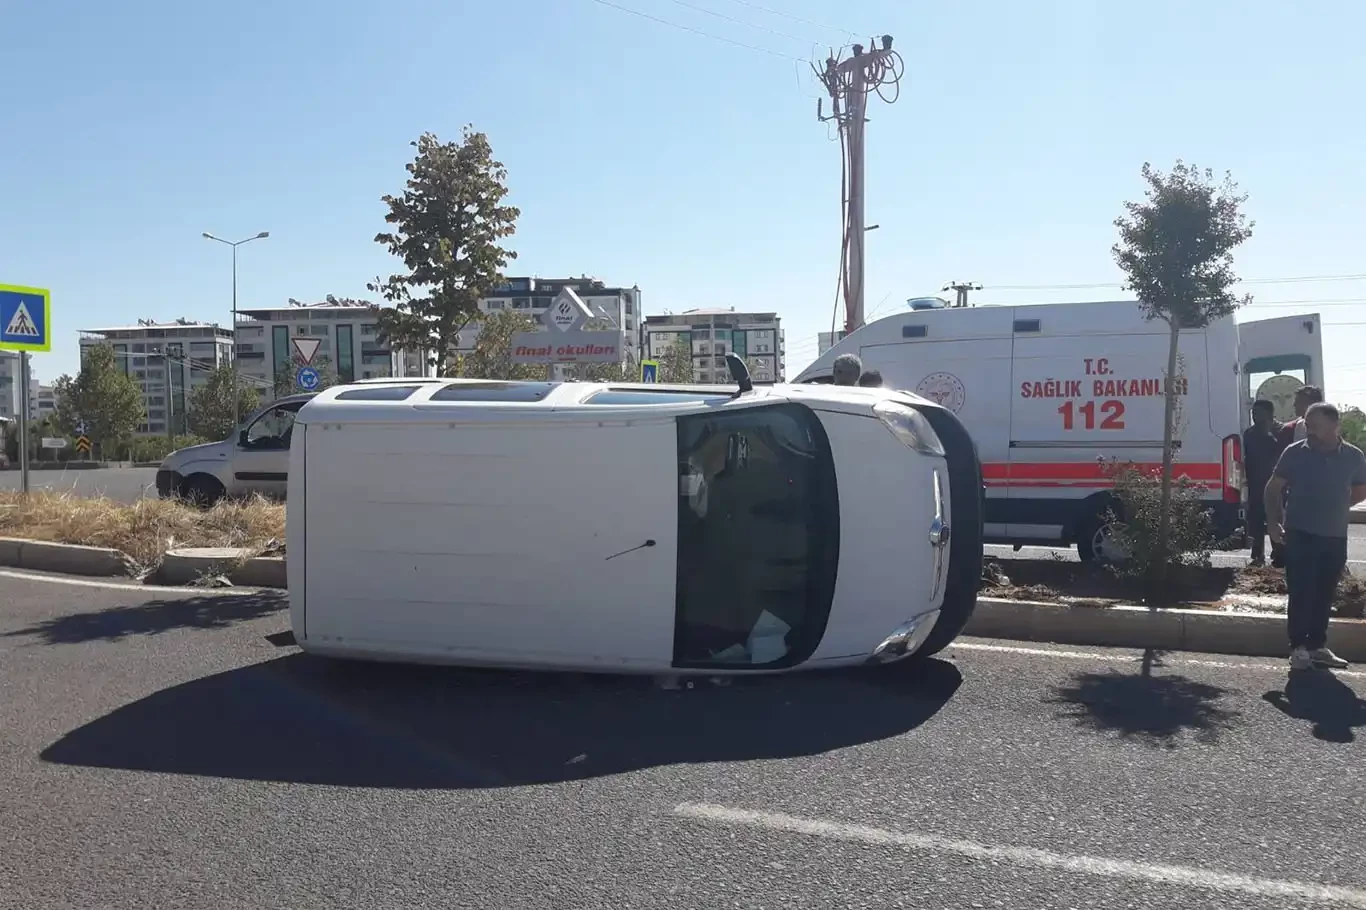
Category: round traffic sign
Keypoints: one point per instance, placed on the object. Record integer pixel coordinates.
(307, 378)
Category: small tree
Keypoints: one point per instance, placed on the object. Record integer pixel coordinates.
(1176, 247)
(101, 398)
(1353, 426)
(492, 354)
(211, 412)
(675, 362)
(448, 224)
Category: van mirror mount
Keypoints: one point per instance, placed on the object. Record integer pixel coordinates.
(242, 439)
(738, 372)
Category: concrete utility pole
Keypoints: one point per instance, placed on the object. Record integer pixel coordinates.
(849, 83)
(961, 288)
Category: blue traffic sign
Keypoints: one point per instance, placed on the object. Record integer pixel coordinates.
(25, 318)
(649, 371)
(307, 378)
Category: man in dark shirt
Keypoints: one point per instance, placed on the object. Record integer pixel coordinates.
(1294, 431)
(1325, 477)
(1261, 449)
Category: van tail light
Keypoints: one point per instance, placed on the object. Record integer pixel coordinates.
(1233, 469)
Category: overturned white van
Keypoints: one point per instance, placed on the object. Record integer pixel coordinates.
(630, 528)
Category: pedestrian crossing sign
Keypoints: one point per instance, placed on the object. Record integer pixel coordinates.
(25, 318)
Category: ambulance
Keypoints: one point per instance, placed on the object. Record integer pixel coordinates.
(1055, 394)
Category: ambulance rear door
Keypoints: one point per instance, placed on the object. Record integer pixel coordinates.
(1276, 356)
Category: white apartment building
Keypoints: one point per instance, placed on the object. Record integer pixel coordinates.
(711, 334)
(532, 297)
(42, 402)
(166, 360)
(9, 385)
(348, 345)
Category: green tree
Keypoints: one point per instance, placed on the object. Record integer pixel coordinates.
(1176, 248)
(211, 412)
(447, 226)
(1353, 425)
(286, 376)
(101, 398)
(492, 354)
(675, 362)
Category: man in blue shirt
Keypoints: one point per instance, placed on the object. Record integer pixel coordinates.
(1325, 477)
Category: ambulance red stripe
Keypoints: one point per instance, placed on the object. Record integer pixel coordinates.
(1076, 473)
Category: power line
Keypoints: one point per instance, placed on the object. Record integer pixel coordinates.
(1119, 284)
(789, 16)
(763, 28)
(697, 31)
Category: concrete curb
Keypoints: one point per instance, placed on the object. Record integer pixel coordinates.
(1251, 635)
(1357, 516)
(67, 558)
(186, 566)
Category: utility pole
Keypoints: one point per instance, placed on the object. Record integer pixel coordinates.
(849, 83)
(960, 289)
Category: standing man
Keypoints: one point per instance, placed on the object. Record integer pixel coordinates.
(847, 369)
(1261, 449)
(1295, 430)
(871, 379)
(1325, 477)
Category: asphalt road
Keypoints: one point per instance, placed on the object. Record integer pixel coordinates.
(121, 484)
(169, 749)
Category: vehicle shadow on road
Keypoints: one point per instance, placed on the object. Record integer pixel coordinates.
(305, 720)
(210, 611)
(1325, 701)
(1159, 709)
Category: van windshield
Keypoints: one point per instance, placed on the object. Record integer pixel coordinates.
(758, 537)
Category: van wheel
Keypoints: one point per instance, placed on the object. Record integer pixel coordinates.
(201, 490)
(1096, 538)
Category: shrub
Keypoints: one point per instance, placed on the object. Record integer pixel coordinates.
(1139, 491)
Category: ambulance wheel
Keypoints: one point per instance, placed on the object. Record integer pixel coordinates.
(1096, 538)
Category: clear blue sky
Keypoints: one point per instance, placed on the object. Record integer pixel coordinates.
(645, 154)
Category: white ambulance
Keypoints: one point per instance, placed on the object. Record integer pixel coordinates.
(1052, 392)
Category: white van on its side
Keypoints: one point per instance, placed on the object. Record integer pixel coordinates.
(630, 528)
(1052, 392)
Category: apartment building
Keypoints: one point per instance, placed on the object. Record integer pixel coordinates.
(532, 297)
(42, 399)
(827, 340)
(9, 385)
(712, 333)
(348, 345)
(166, 360)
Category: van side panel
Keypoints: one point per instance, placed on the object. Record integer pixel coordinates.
(426, 541)
(296, 532)
(1078, 397)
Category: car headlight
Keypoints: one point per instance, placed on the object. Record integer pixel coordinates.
(910, 426)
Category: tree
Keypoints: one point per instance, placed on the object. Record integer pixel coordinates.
(1353, 426)
(1176, 247)
(448, 224)
(101, 398)
(492, 354)
(211, 412)
(286, 373)
(675, 362)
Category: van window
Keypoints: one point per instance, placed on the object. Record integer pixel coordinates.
(652, 396)
(758, 537)
(273, 429)
(378, 393)
(493, 391)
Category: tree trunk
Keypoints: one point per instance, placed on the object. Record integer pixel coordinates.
(1164, 525)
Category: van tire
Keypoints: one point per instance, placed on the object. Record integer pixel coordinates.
(967, 499)
(1091, 525)
(201, 490)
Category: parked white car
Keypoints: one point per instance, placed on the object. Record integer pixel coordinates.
(254, 460)
(630, 528)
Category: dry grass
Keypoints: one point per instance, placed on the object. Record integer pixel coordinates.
(144, 530)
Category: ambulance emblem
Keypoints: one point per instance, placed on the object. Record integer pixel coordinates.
(945, 389)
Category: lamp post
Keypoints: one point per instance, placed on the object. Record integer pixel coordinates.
(237, 418)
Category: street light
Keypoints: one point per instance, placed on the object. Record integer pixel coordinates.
(237, 418)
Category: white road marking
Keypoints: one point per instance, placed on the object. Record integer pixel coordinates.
(1156, 873)
(121, 586)
(1126, 659)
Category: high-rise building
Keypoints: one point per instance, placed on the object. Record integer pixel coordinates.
(348, 344)
(9, 385)
(166, 360)
(755, 337)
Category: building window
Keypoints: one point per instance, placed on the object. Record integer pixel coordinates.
(369, 330)
(346, 364)
(495, 304)
(280, 346)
